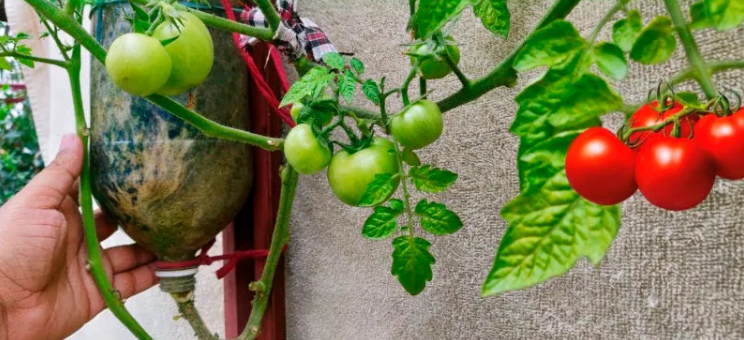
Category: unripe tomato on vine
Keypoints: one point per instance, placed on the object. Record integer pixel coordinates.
(138, 64)
(600, 167)
(418, 126)
(435, 67)
(349, 174)
(304, 151)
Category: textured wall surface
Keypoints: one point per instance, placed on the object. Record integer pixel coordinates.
(667, 275)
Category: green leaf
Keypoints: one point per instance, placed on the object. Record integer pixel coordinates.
(554, 44)
(334, 60)
(689, 98)
(411, 158)
(495, 16)
(724, 14)
(611, 60)
(312, 84)
(432, 15)
(437, 219)
(357, 65)
(381, 188)
(431, 180)
(371, 91)
(656, 43)
(28, 63)
(22, 36)
(699, 16)
(139, 13)
(383, 221)
(561, 100)
(626, 31)
(549, 230)
(347, 86)
(5, 65)
(539, 161)
(412, 263)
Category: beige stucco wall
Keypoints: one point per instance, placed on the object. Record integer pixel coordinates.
(667, 276)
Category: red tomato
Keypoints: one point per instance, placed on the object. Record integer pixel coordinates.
(647, 116)
(674, 173)
(723, 138)
(600, 167)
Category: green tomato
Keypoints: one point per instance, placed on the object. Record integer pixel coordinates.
(350, 174)
(138, 64)
(418, 126)
(304, 152)
(295, 112)
(435, 67)
(192, 53)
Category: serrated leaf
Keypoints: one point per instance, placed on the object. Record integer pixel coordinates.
(437, 219)
(550, 228)
(432, 180)
(495, 16)
(312, 84)
(656, 43)
(381, 188)
(553, 44)
(26, 62)
(626, 31)
(357, 65)
(699, 17)
(334, 60)
(382, 223)
(432, 15)
(371, 91)
(412, 263)
(611, 60)
(724, 14)
(562, 100)
(347, 86)
(539, 161)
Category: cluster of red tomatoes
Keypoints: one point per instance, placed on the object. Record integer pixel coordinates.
(674, 161)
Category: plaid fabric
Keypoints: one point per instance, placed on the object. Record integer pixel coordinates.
(295, 37)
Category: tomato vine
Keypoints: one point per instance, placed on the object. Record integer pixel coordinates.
(550, 225)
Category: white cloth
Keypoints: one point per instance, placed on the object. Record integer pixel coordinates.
(48, 86)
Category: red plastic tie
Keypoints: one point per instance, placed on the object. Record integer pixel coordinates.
(204, 260)
(257, 76)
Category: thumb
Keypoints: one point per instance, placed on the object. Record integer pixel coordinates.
(50, 187)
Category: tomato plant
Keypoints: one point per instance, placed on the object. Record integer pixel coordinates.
(723, 138)
(674, 173)
(600, 167)
(192, 52)
(418, 126)
(350, 174)
(649, 115)
(431, 58)
(138, 64)
(304, 151)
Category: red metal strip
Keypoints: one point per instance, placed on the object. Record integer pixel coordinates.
(254, 226)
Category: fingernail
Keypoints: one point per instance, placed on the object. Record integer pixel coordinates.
(67, 141)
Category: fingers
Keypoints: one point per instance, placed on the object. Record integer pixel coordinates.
(135, 281)
(125, 258)
(50, 187)
(105, 226)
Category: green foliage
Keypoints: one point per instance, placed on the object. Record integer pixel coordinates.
(549, 225)
(377, 191)
(371, 91)
(412, 263)
(495, 16)
(383, 222)
(20, 159)
(656, 43)
(719, 14)
(14, 44)
(626, 31)
(611, 60)
(437, 219)
(432, 180)
(313, 84)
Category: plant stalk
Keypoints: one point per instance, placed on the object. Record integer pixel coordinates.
(95, 259)
(504, 74)
(16, 55)
(697, 63)
(404, 186)
(279, 239)
(187, 308)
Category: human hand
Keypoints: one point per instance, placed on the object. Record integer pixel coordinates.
(45, 290)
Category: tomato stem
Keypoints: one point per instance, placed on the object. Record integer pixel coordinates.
(404, 186)
(701, 73)
(407, 83)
